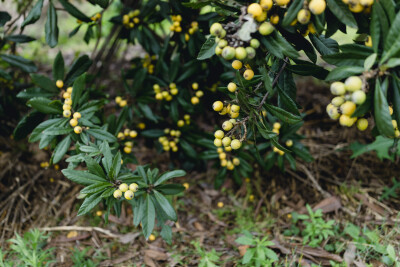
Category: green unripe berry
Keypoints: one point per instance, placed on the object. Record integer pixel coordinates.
(222, 43)
(266, 28)
(337, 101)
(353, 83)
(338, 88)
(216, 29)
(358, 97)
(332, 112)
(254, 43)
(362, 124)
(251, 52)
(240, 53)
(228, 52)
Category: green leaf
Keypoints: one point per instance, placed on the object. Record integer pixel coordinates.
(38, 131)
(370, 61)
(102, 135)
(375, 29)
(61, 149)
(342, 12)
(382, 116)
(392, 41)
(188, 149)
(71, 9)
(142, 173)
(4, 17)
(27, 124)
(245, 240)
(78, 87)
(149, 216)
(94, 167)
(107, 160)
(58, 67)
(166, 233)
(89, 203)
(20, 38)
(208, 49)
(267, 134)
(343, 72)
(272, 46)
(169, 175)
(82, 177)
(58, 130)
(94, 188)
(152, 133)
(45, 83)
(19, 62)
(147, 112)
(80, 66)
(282, 114)
(286, 48)
(292, 11)
(325, 46)
(381, 145)
(34, 14)
(170, 189)
(287, 102)
(138, 209)
(43, 105)
(165, 205)
(116, 166)
(51, 28)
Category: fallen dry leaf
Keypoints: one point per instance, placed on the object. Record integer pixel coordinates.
(243, 249)
(72, 234)
(156, 255)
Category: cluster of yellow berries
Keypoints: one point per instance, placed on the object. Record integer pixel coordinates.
(129, 20)
(176, 23)
(165, 93)
(128, 191)
(226, 141)
(127, 134)
(170, 141)
(94, 18)
(276, 127)
(186, 120)
(232, 110)
(394, 123)
(357, 6)
(120, 101)
(226, 160)
(147, 63)
(199, 94)
(67, 107)
(194, 26)
(348, 95)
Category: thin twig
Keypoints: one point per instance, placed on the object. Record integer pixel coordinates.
(81, 228)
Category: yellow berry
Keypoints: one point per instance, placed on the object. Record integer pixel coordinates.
(390, 110)
(152, 237)
(195, 86)
(394, 123)
(332, 111)
(337, 101)
(123, 187)
(127, 150)
(129, 195)
(358, 97)
(222, 156)
(317, 7)
(69, 90)
(181, 123)
(228, 52)
(174, 91)
(237, 64)
(118, 99)
(117, 193)
(346, 120)
(67, 113)
(134, 187)
(123, 103)
(274, 19)
(236, 144)
(59, 83)
(289, 143)
(232, 87)
(218, 106)
(142, 126)
(348, 108)
(368, 42)
(362, 124)
(77, 115)
(220, 204)
(66, 107)
(73, 122)
(276, 125)
(219, 134)
(282, 2)
(229, 165)
(303, 16)
(226, 141)
(217, 142)
(266, 4)
(220, 150)
(68, 101)
(235, 108)
(78, 129)
(356, 8)
(228, 149)
(234, 115)
(240, 53)
(236, 161)
(248, 74)
(338, 88)
(133, 134)
(66, 95)
(199, 93)
(216, 29)
(195, 100)
(227, 125)
(186, 186)
(254, 9)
